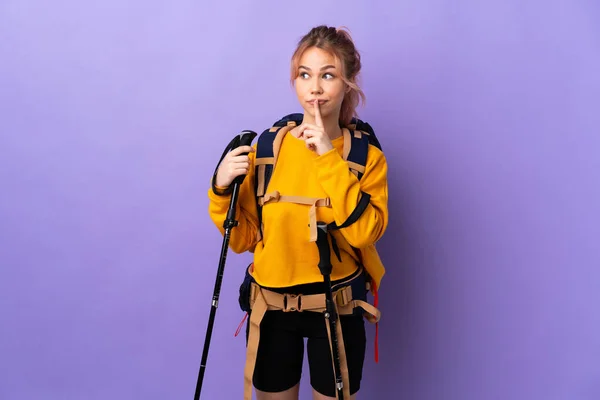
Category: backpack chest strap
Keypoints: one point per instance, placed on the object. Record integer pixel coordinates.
(313, 202)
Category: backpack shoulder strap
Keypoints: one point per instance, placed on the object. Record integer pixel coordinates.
(357, 138)
(267, 151)
(264, 160)
(356, 150)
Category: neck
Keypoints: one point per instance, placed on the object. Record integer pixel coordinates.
(331, 125)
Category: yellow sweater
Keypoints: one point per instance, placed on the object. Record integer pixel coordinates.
(285, 256)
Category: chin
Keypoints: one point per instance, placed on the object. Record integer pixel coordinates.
(309, 111)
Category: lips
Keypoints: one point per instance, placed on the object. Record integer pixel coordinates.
(312, 102)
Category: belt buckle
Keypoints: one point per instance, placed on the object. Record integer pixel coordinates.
(292, 302)
(344, 296)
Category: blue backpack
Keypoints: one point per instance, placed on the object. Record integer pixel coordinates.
(356, 148)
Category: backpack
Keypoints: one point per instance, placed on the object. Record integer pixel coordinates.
(355, 151)
(356, 148)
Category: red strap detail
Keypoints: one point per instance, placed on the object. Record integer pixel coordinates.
(376, 304)
(377, 342)
(240, 325)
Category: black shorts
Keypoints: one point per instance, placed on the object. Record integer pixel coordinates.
(281, 349)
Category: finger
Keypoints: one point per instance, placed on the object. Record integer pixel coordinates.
(313, 127)
(241, 165)
(311, 141)
(318, 119)
(309, 133)
(242, 149)
(301, 130)
(239, 171)
(242, 158)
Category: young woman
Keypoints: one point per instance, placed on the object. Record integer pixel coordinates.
(310, 164)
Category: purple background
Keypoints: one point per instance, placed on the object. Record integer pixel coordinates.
(113, 116)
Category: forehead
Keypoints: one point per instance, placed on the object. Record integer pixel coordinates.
(315, 57)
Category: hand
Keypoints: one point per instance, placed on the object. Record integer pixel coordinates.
(233, 165)
(315, 136)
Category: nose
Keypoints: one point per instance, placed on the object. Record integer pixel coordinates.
(316, 88)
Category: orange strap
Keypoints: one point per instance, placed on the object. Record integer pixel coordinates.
(276, 197)
(376, 304)
(262, 300)
(258, 312)
(342, 354)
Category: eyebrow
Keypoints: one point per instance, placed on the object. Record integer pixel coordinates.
(322, 69)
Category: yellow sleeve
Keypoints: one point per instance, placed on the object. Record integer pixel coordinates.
(245, 235)
(344, 190)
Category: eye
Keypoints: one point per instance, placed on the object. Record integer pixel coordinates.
(328, 76)
(303, 75)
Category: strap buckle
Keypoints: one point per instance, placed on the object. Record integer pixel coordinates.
(292, 302)
(344, 296)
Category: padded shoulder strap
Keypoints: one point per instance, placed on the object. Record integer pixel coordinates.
(357, 124)
(264, 160)
(267, 151)
(356, 150)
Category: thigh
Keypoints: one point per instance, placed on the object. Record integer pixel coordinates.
(280, 352)
(319, 355)
(290, 394)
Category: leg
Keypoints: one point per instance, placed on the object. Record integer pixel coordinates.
(279, 360)
(290, 394)
(319, 396)
(319, 356)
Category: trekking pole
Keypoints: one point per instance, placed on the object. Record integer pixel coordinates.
(330, 314)
(243, 139)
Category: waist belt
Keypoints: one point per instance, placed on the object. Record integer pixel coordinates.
(262, 300)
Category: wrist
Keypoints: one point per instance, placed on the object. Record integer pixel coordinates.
(219, 189)
(326, 150)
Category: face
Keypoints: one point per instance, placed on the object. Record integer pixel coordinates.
(319, 79)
